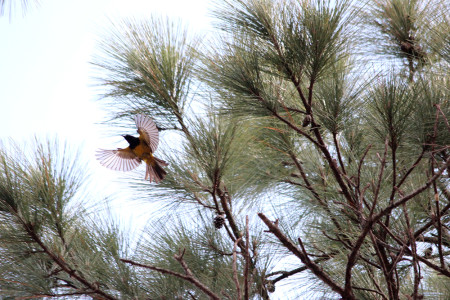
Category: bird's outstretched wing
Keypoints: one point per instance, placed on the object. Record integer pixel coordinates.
(147, 131)
(118, 160)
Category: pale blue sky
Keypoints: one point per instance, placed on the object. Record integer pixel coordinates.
(44, 62)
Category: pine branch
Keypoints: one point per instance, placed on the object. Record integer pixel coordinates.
(384, 264)
(370, 290)
(189, 276)
(64, 266)
(286, 274)
(438, 107)
(436, 194)
(427, 226)
(410, 196)
(53, 295)
(315, 269)
(409, 231)
(338, 152)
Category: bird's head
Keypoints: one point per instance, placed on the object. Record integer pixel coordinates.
(133, 141)
(128, 137)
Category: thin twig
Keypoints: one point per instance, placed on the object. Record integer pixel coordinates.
(416, 192)
(436, 194)
(235, 273)
(315, 269)
(384, 264)
(247, 260)
(380, 179)
(413, 252)
(286, 274)
(354, 253)
(360, 164)
(369, 290)
(338, 152)
(438, 107)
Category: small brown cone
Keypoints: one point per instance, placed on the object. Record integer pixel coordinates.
(219, 220)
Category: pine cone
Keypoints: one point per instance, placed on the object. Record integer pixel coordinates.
(306, 120)
(219, 220)
(270, 286)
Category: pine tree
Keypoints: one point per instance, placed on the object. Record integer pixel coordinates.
(308, 150)
(11, 7)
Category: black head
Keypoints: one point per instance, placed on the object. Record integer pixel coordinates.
(133, 141)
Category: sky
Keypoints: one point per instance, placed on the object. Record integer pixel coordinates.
(45, 81)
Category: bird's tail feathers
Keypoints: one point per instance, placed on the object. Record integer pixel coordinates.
(156, 173)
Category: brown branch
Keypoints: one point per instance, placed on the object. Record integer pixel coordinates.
(221, 252)
(319, 143)
(197, 199)
(438, 107)
(387, 210)
(56, 295)
(370, 290)
(355, 251)
(444, 271)
(441, 270)
(64, 266)
(414, 165)
(247, 260)
(338, 152)
(435, 240)
(286, 274)
(380, 257)
(305, 178)
(413, 252)
(235, 273)
(292, 126)
(315, 269)
(416, 192)
(436, 195)
(312, 190)
(229, 215)
(188, 277)
(430, 223)
(380, 179)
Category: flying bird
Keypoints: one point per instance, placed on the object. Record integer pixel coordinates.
(140, 149)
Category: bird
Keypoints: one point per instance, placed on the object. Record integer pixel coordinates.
(140, 150)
